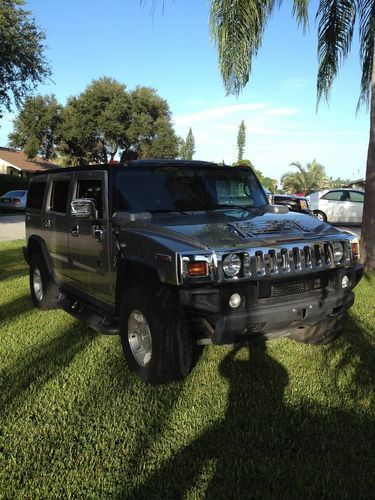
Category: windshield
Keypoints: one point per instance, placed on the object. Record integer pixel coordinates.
(168, 189)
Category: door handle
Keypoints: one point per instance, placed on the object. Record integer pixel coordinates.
(47, 223)
(97, 233)
(75, 230)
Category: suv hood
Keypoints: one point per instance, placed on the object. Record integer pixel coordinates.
(228, 229)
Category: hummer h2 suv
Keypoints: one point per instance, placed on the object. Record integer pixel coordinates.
(173, 255)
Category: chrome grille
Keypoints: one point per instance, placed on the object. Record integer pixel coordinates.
(293, 259)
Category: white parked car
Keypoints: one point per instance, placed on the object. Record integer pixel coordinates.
(338, 205)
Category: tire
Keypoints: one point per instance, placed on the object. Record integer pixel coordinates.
(44, 291)
(156, 340)
(323, 333)
(320, 215)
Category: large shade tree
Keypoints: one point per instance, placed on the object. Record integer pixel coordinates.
(22, 61)
(36, 128)
(237, 27)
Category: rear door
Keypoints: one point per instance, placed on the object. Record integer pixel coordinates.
(89, 238)
(356, 205)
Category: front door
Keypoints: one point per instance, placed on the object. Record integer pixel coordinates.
(89, 239)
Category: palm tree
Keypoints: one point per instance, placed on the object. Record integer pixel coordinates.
(309, 178)
(237, 28)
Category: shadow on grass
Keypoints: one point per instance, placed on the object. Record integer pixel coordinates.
(38, 366)
(12, 263)
(265, 448)
(20, 305)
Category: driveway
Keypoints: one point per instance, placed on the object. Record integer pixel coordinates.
(12, 227)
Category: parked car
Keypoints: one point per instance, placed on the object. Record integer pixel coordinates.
(338, 205)
(294, 202)
(172, 255)
(13, 200)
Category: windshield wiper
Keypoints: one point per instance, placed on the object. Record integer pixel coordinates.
(231, 205)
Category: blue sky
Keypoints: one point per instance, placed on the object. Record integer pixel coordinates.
(170, 50)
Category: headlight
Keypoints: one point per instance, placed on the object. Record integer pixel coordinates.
(231, 265)
(338, 251)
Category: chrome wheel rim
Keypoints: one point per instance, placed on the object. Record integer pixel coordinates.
(139, 338)
(37, 284)
(319, 216)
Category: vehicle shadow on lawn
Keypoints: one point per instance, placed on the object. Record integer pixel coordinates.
(265, 448)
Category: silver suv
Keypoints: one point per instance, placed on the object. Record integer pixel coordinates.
(174, 255)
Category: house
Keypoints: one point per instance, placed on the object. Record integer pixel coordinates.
(14, 162)
(357, 184)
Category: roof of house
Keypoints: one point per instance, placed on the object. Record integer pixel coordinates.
(19, 160)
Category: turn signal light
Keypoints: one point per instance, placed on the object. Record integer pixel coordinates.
(198, 268)
(355, 251)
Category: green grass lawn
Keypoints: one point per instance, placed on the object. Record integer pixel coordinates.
(286, 421)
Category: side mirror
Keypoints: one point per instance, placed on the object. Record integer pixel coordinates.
(82, 207)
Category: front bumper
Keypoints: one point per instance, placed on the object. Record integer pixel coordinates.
(279, 320)
(269, 317)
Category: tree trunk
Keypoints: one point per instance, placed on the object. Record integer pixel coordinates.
(368, 221)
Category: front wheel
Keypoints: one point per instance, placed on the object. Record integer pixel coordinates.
(44, 291)
(320, 215)
(155, 337)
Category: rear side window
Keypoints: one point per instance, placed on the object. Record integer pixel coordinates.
(59, 196)
(35, 195)
(357, 197)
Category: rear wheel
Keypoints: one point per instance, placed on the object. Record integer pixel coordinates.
(44, 291)
(156, 340)
(323, 333)
(320, 215)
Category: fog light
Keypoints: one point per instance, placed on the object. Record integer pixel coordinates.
(235, 300)
(345, 282)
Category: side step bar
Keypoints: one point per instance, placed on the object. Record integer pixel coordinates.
(93, 319)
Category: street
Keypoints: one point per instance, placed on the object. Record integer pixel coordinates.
(12, 227)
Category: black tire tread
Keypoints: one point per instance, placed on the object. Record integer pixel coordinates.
(51, 290)
(172, 356)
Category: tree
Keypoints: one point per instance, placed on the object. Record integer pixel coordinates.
(241, 140)
(237, 28)
(22, 62)
(150, 132)
(187, 148)
(36, 128)
(95, 123)
(307, 179)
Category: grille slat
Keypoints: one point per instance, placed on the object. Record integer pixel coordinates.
(293, 259)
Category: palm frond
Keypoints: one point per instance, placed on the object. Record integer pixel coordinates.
(300, 12)
(236, 28)
(335, 33)
(366, 11)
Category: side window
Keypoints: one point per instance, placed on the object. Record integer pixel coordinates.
(91, 189)
(333, 195)
(59, 196)
(355, 196)
(35, 195)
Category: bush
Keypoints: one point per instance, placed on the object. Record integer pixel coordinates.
(10, 182)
